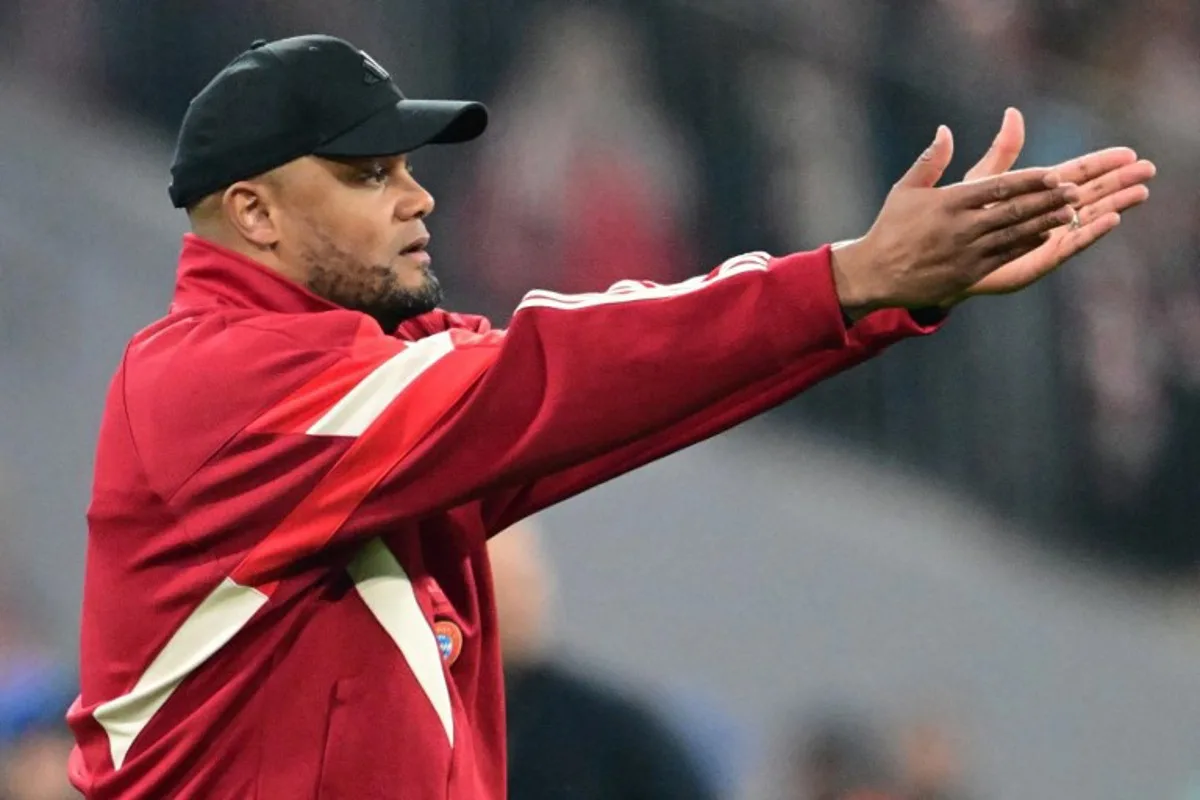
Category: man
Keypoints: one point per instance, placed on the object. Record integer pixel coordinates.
(569, 735)
(299, 466)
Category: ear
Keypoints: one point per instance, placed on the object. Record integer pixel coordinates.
(249, 207)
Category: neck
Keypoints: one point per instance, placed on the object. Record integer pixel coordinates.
(263, 255)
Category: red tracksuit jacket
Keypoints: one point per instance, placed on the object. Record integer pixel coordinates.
(287, 590)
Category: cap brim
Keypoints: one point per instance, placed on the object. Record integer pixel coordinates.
(408, 125)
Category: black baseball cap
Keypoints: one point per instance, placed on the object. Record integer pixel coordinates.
(307, 95)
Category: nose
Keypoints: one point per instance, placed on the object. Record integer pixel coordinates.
(415, 202)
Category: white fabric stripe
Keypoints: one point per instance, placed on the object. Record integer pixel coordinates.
(214, 622)
(729, 267)
(363, 404)
(629, 291)
(388, 593)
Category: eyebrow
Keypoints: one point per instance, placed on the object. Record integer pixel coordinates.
(362, 161)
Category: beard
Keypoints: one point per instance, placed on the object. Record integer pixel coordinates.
(373, 289)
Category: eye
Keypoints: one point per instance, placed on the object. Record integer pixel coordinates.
(376, 173)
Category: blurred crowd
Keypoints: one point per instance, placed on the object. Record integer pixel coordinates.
(652, 138)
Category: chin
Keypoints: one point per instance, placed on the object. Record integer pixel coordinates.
(407, 300)
(419, 284)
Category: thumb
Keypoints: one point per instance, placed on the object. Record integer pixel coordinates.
(928, 169)
(1005, 149)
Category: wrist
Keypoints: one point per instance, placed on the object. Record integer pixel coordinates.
(950, 303)
(849, 263)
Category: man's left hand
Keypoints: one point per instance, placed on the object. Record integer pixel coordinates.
(1110, 181)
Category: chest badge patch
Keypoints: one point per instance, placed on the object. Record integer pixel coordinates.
(449, 640)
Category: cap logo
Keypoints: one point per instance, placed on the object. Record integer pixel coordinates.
(374, 73)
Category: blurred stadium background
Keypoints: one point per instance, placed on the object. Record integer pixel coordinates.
(995, 530)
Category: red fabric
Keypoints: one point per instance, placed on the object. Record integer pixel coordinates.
(207, 471)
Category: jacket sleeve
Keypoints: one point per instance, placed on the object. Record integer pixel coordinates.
(578, 389)
(869, 337)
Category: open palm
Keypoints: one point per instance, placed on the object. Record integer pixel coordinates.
(1110, 181)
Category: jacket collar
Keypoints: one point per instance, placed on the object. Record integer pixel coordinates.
(210, 274)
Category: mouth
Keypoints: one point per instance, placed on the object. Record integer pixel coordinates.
(416, 246)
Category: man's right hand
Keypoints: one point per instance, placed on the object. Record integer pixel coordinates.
(928, 245)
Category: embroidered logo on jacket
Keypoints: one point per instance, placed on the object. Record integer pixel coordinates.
(449, 639)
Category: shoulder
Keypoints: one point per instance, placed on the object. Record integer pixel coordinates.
(229, 332)
(208, 351)
(193, 381)
(214, 360)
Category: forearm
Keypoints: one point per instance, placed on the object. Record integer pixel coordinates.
(870, 336)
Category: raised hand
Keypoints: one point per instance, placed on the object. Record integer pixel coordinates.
(1110, 182)
(929, 246)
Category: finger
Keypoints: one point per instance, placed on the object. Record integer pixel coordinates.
(1005, 149)
(1015, 257)
(930, 167)
(1078, 240)
(1007, 238)
(1118, 202)
(1092, 165)
(1117, 180)
(1012, 213)
(1029, 260)
(1022, 247)
(977, 194)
